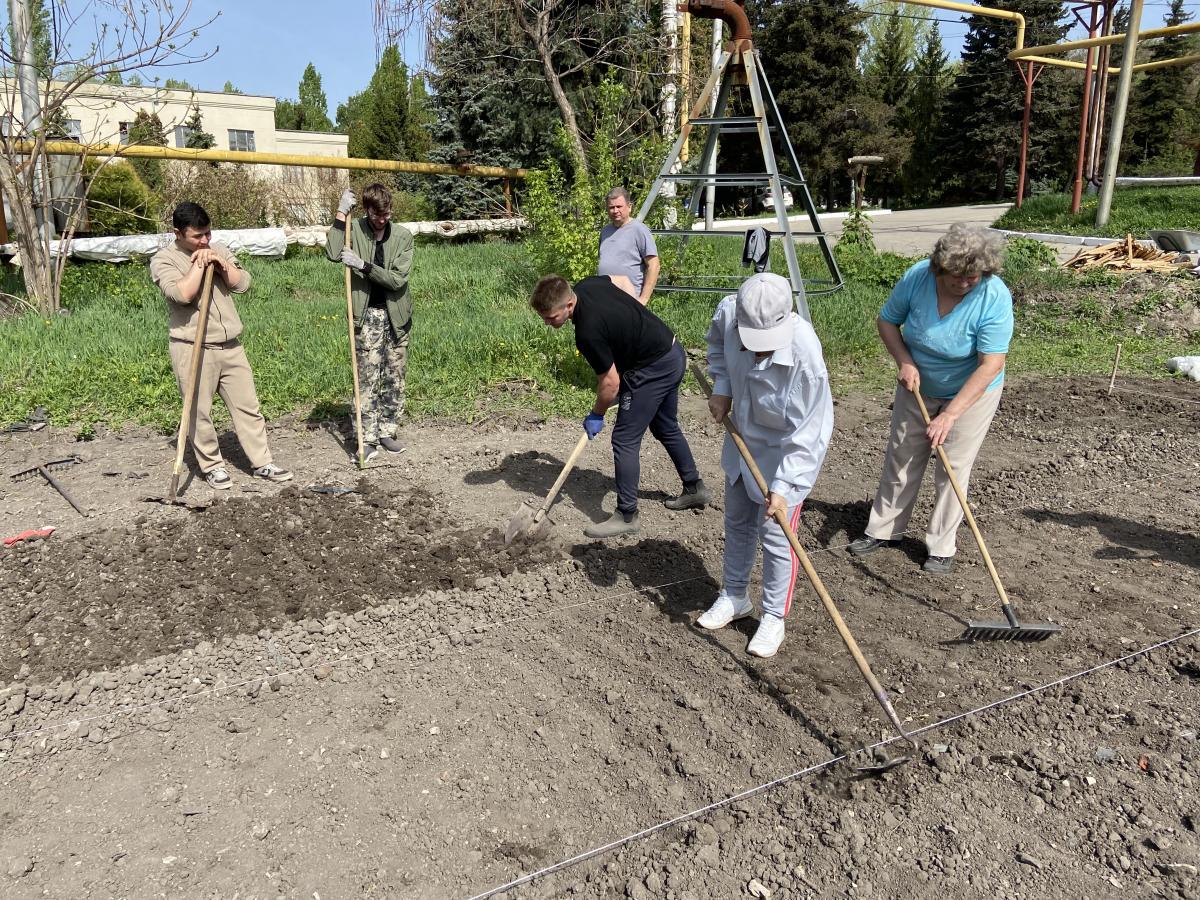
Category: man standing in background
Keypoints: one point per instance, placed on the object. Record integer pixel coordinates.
(627, 249)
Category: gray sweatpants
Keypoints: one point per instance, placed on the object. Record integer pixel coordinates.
(907, 458)
(745, 529)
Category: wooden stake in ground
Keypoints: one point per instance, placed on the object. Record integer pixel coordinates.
(193, 385)
(362, 462)
(1116, 362)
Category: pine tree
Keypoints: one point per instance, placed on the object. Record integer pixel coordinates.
(230, 89)
(809, 52)
(147, 130)
(889, 65)
(924, 119)
(985, 107)
(198, 138)
(1158, 95)
(310, 112)
(418, 137)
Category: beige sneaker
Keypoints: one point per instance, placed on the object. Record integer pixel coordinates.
(272, 472)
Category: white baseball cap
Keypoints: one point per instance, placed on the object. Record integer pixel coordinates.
(764, 312)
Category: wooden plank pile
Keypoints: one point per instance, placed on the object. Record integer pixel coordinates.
(1126, 256)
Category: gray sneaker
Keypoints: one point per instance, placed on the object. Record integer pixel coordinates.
(616, 525)
(391, 445)
(272, 472)
(694, 496)
(218, 479)
(939, 565)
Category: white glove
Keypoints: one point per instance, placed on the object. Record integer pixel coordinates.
(347, 202)
(353, 260)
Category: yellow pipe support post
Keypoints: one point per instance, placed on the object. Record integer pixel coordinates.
(128, 151)
(1084, 43)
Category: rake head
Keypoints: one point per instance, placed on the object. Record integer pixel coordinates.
(52, 465)
(1003, 631)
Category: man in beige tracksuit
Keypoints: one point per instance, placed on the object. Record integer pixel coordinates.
(178, 270)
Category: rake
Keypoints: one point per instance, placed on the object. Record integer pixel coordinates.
(43, 469)
(1010, 630)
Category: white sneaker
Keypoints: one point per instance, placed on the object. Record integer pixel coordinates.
(768, 637)
(724, 611)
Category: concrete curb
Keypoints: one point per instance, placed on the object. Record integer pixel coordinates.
(750, 223)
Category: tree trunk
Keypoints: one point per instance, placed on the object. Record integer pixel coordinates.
(37, 267)
(539, 32)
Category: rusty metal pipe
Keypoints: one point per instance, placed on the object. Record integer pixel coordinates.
(731, 12)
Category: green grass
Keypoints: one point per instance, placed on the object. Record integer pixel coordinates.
(1135, 210)
(478, 350)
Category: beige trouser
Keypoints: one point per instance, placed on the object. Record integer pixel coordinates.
(904, 465)
(225, 371)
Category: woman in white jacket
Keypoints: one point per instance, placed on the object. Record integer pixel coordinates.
(768, 373)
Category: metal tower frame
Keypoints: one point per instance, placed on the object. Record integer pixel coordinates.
(739, 66)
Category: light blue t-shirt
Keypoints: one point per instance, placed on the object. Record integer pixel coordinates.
(946, 349)
(622, 251)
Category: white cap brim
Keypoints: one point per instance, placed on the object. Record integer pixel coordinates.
(767, 340)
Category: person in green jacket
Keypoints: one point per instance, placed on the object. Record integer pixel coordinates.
(379, 255)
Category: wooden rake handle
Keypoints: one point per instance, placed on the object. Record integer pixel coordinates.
(193, 385)
(353, 351)
(966, 507)
(830, 607)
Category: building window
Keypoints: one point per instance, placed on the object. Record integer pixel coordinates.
(182, 134)
(241, 140)
(124, 128)
(73, 130)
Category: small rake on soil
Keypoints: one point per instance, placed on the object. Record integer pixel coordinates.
(44, 469)
(1010, 630)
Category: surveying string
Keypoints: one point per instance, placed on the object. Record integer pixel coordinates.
(751, 792)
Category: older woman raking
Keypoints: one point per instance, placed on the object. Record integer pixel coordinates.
(947, 324)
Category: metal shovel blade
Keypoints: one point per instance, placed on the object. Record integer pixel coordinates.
(522, 521)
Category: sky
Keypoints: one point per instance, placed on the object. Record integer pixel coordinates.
(262, 46)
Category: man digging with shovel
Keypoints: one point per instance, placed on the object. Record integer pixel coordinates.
(766, 363)
(639, 365)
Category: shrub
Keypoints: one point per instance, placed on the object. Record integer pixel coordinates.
(233, 195)
(1027, 254)
(118, 202)
(876, 269)
(856, 233)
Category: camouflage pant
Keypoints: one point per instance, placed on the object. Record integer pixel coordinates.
(382, 360)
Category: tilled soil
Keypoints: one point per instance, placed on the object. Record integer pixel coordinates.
(293, 692)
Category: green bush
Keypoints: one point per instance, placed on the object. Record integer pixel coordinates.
(118, 202)
(233, 195)
(856, 233)
(1026, 254)
(876, 269)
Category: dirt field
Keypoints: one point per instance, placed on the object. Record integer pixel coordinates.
(301, 694)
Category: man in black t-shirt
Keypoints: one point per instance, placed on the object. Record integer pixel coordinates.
(639, 365)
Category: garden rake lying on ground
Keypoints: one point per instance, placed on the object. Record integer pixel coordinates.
(1011, 630)
(43, 469)
(883, 762)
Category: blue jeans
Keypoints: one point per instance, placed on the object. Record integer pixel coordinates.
(649, 399)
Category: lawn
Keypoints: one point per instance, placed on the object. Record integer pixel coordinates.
(477, 349)
(1135, 210)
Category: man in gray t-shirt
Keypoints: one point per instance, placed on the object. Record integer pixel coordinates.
(627, 249)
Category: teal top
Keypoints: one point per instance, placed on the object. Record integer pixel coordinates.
(946, 348)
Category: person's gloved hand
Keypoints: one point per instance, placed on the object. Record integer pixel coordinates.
(353, 260)
(593, 425)
(346, 203)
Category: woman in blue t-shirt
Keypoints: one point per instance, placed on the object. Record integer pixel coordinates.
(947, 323)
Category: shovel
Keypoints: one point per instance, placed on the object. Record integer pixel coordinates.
(533, 522)
(193, 385)
(1010, 630)
(882, 765)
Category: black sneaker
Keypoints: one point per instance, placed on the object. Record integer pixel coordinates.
(939, 565)
(867, 544)
(694, 496)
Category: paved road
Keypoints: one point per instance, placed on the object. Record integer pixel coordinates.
(911, 232)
